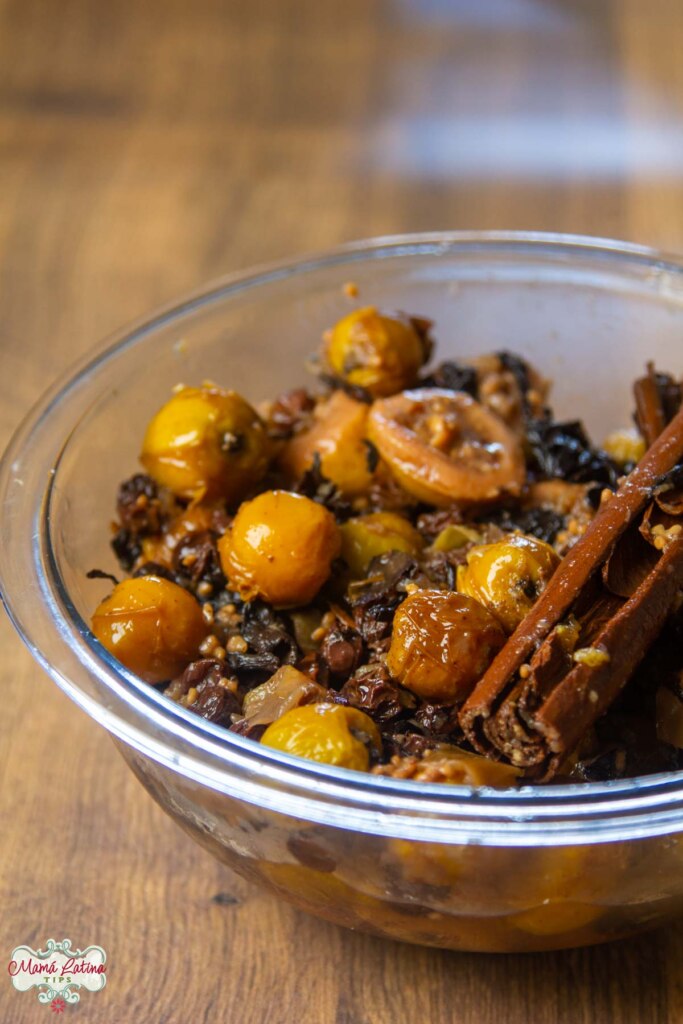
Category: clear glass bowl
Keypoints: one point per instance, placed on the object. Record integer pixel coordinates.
(445, 866)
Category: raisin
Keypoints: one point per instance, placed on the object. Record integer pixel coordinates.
(214, 701)
(404, 743)
(373, 690)
(453, 377)
(341, 650)
(126, 547)
(437, 719)
(196, 559)
(138, 506)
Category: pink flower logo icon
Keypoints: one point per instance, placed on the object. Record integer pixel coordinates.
(58, 1005)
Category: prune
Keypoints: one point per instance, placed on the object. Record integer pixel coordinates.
(540, 522)
(269, 644)
(373, 690)
(375, 599)
(214, 701)
(453, 377)
(563, 450)
(518, 367)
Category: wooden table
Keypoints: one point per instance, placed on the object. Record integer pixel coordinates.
(146, 145)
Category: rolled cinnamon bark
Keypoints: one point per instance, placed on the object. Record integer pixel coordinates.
(535, 730)
(658, 398)
(650, 415)
(535, 721)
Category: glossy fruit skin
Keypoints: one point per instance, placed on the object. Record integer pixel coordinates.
(337, 434)
(442, 447)
(379, 353)
(152, 626)
(330, 733)
(281, 547)
(508, 576)
(206, 443)
(365, 537)
(441, 644)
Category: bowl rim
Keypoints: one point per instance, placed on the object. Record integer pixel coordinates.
(209, 755)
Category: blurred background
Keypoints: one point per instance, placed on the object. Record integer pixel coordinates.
(146, 145)
(149, 145)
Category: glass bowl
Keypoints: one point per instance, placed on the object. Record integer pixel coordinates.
(439, 865)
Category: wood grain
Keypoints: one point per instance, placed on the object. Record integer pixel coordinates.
(146, 145)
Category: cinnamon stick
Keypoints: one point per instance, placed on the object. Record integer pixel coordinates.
(536, 730)
(658, 398)
(534, 721)
(649, 407)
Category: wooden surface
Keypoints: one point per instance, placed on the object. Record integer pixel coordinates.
(146, 145)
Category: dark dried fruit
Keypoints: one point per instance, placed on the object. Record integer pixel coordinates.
(438, 720)
(452, 376)
(406, 743)
(315, 485)
(341, 651)
(138, 506)
(270, 644)
(518, 367)
(352, 390)
(214, 701)
(375, 599)
(196, 560)
(527, 383)
(563, 450)
(432, 523)
(627, 746)
(126, 547)
(205, 670)
(142, 510)
(244, 728)
(441, 567)
(373, 690)
(543, 523)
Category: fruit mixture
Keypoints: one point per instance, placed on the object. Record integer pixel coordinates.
(334, 572)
